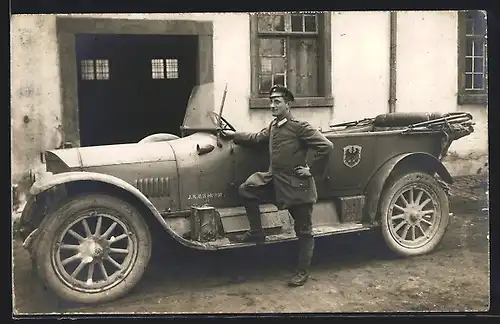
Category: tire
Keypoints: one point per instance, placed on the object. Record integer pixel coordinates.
(161, 137)
(130, 248)
(395, 222)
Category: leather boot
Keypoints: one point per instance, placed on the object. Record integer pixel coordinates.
(306, 249)
(256, 233)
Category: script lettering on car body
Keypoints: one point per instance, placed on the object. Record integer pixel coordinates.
(205, 195)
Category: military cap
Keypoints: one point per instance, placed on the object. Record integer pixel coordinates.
(281, 91)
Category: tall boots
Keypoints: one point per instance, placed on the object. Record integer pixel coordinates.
(256, 233)
(306, 249)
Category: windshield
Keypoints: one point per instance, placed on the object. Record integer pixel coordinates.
(200, 112)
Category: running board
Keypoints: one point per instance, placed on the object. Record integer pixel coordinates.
(318, 231)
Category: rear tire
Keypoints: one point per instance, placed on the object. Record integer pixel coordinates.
(93, 249)
(414, 214)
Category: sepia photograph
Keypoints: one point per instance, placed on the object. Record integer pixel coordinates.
(250, 162)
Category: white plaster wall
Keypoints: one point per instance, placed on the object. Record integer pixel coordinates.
(427, 61)
(231, 52)
(427, 77)
(35, 91)
(360, 64)
(469, 155)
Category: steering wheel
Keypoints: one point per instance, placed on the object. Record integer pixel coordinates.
(225, 125)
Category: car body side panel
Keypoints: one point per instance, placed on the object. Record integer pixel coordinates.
(375, 150)
(204, 178)
(158, 181)
(150, 167)
(249, 159)
(115, 154)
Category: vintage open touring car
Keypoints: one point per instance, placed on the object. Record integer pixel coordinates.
(89, 218)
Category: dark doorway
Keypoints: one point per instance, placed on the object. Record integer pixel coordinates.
(131, 86)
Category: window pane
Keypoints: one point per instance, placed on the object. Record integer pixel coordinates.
(310, 23)
(265, 83)
(272, 22)
(478, 48)
(278, 65)
(297, 23)
(468, 47)
(468, 65)
(479, 23)
(303, 67)
(272, 47)
(478, 81)
(469, 27)
(171, 68)
(157, 69)
(468, 81)
(266, 65)
(478, 65)
(475, 23)
(87, 67)
(272, 65)
(279, 79)
(102, 69)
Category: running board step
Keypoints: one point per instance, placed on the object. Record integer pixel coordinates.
(234, 219)
(318, 231)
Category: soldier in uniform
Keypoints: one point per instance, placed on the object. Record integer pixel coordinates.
(289, 182)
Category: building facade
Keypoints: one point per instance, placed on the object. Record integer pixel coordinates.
(100, 79)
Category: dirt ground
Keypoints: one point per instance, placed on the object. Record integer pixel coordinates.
(350, 273)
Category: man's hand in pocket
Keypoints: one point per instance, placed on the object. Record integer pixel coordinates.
(303, 171)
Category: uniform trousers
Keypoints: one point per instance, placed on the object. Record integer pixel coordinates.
(301, 214)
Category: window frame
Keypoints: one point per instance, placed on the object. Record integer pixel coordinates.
(106, 72)
(163, 72)
(478, 97)
(325, 98)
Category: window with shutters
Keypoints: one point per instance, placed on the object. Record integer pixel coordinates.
(291, 49)
(472, 58)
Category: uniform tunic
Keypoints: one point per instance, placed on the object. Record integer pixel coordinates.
(289, 141)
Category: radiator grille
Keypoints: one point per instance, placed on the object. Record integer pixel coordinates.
(153, 187)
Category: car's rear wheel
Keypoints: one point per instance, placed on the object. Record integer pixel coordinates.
(94, 248)
(414, 214)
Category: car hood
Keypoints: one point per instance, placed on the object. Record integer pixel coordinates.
(83, 157)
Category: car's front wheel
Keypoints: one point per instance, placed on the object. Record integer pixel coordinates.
(93, 249)
(414, 214)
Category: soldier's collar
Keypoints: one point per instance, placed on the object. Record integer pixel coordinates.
(280, 123)
(283, 121)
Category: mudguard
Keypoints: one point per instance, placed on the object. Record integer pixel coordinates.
(375, 185)
(50, 181)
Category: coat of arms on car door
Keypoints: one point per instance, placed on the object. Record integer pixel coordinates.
(352, 155)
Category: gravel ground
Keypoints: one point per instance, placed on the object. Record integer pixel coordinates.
(350, 273)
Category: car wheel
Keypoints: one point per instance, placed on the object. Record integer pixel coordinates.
(94, 248)
(414, 214)
(161, 137)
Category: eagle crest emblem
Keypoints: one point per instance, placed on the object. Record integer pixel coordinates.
(352, 155)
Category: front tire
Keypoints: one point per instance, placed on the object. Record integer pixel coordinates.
(414, 214)
(94, 248)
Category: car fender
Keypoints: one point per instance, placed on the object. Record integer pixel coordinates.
(376, 183)
(50, 181)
